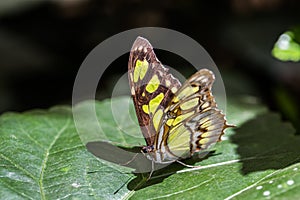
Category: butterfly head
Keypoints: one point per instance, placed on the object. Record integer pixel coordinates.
(150, 153)
(147, 149)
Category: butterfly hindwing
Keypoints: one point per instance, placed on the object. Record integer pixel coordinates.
(194, 122)
(150, 87)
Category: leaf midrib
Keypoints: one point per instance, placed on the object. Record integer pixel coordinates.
(44, 163)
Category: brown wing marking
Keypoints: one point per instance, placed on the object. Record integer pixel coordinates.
(142, 54)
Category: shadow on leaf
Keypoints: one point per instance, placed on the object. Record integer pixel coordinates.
(163, 171)
(266, 143)
(133, 158)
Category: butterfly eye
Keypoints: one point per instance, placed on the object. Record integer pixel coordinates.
(148, 149)
(144, 150)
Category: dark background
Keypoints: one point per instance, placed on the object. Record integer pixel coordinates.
(43, 43)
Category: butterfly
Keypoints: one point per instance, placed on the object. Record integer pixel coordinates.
(176, 120)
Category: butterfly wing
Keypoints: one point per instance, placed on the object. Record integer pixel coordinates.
(194, 122)
(152, 87)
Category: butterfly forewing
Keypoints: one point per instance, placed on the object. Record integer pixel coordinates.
(152, 87)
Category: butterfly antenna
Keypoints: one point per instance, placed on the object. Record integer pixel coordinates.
(132, 159)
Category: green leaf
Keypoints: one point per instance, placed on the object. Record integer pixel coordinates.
(287, 47)
(42, 157)
(115, 122)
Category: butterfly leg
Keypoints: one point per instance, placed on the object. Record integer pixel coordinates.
(190, 166)
(152, 170)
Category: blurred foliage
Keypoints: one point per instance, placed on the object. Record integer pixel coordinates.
(287, 47)
(288, 105)
(44, 42)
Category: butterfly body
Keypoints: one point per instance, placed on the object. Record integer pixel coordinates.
(176, 120)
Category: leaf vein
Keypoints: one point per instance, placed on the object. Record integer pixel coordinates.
(249, 187)
(18, 166)
(181, 191)
(66, 149)
(44, 163)
(16, 191)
